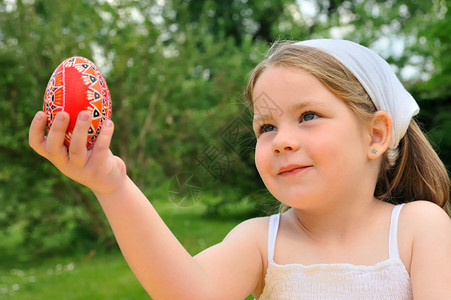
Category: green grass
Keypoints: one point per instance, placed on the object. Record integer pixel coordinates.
(107, 276)
(99, 277)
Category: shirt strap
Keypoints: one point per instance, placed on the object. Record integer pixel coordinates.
(272, 235)
(393, 249)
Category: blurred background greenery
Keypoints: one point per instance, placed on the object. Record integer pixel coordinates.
(176, 71)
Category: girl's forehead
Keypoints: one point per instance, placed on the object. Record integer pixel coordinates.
(264, 105)
(280, 85)
(276, 76)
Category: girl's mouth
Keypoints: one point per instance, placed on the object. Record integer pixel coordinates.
(291, 170)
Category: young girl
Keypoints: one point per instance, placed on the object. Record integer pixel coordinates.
(365, 195)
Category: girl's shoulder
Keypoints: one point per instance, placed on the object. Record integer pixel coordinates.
(244, 252)
(423, 214)
(254, 233)
(425, 238)
(255, 229)
(422, 219)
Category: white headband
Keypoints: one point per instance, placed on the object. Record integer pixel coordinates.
(378, 79)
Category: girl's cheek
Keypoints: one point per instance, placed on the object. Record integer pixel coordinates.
(260, 157)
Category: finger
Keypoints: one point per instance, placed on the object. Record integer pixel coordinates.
(36, 134)
(77, 148)
(55, 138)
(102, 144)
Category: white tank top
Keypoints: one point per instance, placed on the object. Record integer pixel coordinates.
(388, 279)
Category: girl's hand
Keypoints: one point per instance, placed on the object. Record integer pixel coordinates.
(98, 169)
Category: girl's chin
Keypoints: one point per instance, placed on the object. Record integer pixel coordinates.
(298, 203)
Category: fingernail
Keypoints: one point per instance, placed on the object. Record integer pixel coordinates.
(109, 123)
(60, 117)
(38, 116)
(83, 116)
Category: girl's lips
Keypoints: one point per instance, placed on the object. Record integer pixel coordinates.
(291, 170)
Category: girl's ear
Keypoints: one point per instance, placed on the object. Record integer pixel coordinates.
(380, 130)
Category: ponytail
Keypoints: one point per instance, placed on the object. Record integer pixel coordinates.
(418, 173)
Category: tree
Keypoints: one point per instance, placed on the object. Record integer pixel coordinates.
(176, 72)
(34, 38)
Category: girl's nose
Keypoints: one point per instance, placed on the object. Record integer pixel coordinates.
(285, 141)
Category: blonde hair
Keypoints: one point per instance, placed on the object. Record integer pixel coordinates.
(411, 172)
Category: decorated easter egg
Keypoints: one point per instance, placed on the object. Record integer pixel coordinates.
(74, 86)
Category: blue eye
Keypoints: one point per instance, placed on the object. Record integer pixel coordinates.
(308, 116)
(267, 128)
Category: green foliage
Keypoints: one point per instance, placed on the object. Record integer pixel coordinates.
(106, 275)
(435, 91)
(34, 40)
(235, 19)
(176, 71)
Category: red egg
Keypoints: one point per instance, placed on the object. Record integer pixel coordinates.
(78, 85)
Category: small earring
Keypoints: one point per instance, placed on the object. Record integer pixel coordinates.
(374, 151)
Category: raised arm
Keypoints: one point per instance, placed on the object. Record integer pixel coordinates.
(229, 270)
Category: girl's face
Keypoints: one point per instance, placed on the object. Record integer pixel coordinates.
(311, 149)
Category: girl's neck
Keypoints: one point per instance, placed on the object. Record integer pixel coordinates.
(337, 221)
